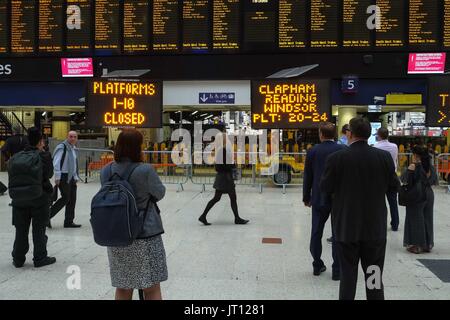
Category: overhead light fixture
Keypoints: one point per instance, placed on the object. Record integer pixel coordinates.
(205, 114)
(208, 117)
(195, 112)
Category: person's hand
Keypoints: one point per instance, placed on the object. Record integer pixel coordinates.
(412, 167)
(57, 182)
(307, 204)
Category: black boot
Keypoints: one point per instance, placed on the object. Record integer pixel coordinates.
(240, 221)
(203, 220)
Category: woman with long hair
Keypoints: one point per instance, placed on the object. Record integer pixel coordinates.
(419, 236)
(142, 265)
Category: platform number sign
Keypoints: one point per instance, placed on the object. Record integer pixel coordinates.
(350, 84)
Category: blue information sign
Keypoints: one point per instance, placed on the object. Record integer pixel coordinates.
(217, 98)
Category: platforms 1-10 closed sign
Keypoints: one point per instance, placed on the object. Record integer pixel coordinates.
(124, 103)
(290, 104)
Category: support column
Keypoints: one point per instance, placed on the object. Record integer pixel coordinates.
(345, 114)
(60, 124)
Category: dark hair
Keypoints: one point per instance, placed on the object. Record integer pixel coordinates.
(361, 128)
(128, 146)
(34, 136)
(345, 128)
(328, 130)
(383, 133)
(425, 157)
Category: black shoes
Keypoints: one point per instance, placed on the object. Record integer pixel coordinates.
(336, 276)
(318, 271)
(18, 264)
(330, 240)
(44, 262)
(203, 220)
(72, 225)
(241, 221)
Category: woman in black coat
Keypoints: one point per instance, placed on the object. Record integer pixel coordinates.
(224, 183)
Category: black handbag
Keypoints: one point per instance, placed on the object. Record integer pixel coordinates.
(237, 174)
(411, 194)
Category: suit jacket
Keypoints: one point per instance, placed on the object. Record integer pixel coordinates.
(314, 167)
(358, 177)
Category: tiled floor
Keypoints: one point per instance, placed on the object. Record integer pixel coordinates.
(222, 261)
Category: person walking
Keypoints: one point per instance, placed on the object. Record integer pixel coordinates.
(320, 202)
(65, 164)
(384, 144)
(358, 177)
(419, 234)
(142, 265)
(29, 174)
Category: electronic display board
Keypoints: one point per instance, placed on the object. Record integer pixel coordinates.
(79, 28)
(324, 24)
(446, 24)
(124, 103)
(391, 33)
(423, 22)
(259, 24)
(438, 106)
(165, 25)
(107, 25)
(136, 26)
(291, 24)
(290, 104)
(23, 26)
(226, 24)
(4, 26)
(196, 25)
(354, 20)
(51, 26)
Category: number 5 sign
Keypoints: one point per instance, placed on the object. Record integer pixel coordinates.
(350, 84)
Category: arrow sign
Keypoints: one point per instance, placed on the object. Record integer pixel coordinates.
(443, 117)
(203, 98)
(217, 97)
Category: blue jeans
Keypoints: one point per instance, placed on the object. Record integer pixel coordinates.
(393, 206)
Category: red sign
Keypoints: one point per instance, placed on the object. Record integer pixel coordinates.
(77, 67)
(421, 63)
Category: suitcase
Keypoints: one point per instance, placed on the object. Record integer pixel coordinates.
(3, 188)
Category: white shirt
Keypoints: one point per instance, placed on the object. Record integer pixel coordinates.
(389, 147)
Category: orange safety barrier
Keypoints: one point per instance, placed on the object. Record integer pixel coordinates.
(443, 166)
(98, 165)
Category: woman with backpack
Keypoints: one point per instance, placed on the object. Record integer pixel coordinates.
(141, 265)
(418, 236)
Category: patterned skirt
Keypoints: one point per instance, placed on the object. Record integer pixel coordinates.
(138, 266)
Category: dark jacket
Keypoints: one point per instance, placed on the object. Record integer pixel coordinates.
(359, 177)
(14, 145)
(224, 178)
(419, 175)
(314, 167)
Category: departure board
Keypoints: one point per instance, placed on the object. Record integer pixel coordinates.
(78, 25)
(23, 26)
(226, 24)
(354, 21)
(446, 40)
(107, 28)
(392, 29)
(165, 25)
(324, 24)
(292, 24)
(438, 105)
(50, 26)
(136, 26)
(4, 26)
(196, 20)
(260, 26)
(423, 22)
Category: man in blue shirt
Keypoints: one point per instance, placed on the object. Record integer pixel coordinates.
(345, 135)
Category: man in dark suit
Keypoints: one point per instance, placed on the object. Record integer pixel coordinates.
(312, 196)
(359, 177)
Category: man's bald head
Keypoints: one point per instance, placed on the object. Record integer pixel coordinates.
(72, 137)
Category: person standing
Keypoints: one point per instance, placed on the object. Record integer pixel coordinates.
(30, 189)
(384, 144)
(142, 265)
(345, 134)
(65, 164)
(419, 234)
(358, 178)
(320, 202)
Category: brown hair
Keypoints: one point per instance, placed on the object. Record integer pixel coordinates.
(129, 146)
(328, 130)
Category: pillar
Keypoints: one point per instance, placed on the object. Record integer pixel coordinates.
(345, 114)
(60, 124)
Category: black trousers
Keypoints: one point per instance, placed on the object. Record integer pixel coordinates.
(393, 206)
(218, 196)
(319, 218)
(371, 254)
(22, 218)
(68, 199)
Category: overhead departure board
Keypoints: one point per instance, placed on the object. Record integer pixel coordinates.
(23, 26)
(196, 20)
(4, 26)
(324, 24)
(423, 22)
(438, 107)
(260, 26)
(165, 25)
(290, 104)
(50, 26)
(446, 24)
(78, 25)
(107, 25)
(292, 24)
(136, 26)
(354, 17)
(226, 24)
(392, 30)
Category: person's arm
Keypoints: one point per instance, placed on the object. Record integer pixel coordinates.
(57, 164)
(308, 179)
(394, 182)
(328, 181)
(157, 189)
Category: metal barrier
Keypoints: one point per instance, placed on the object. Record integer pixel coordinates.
(291, 168)
(442, 164)
(91, 161)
